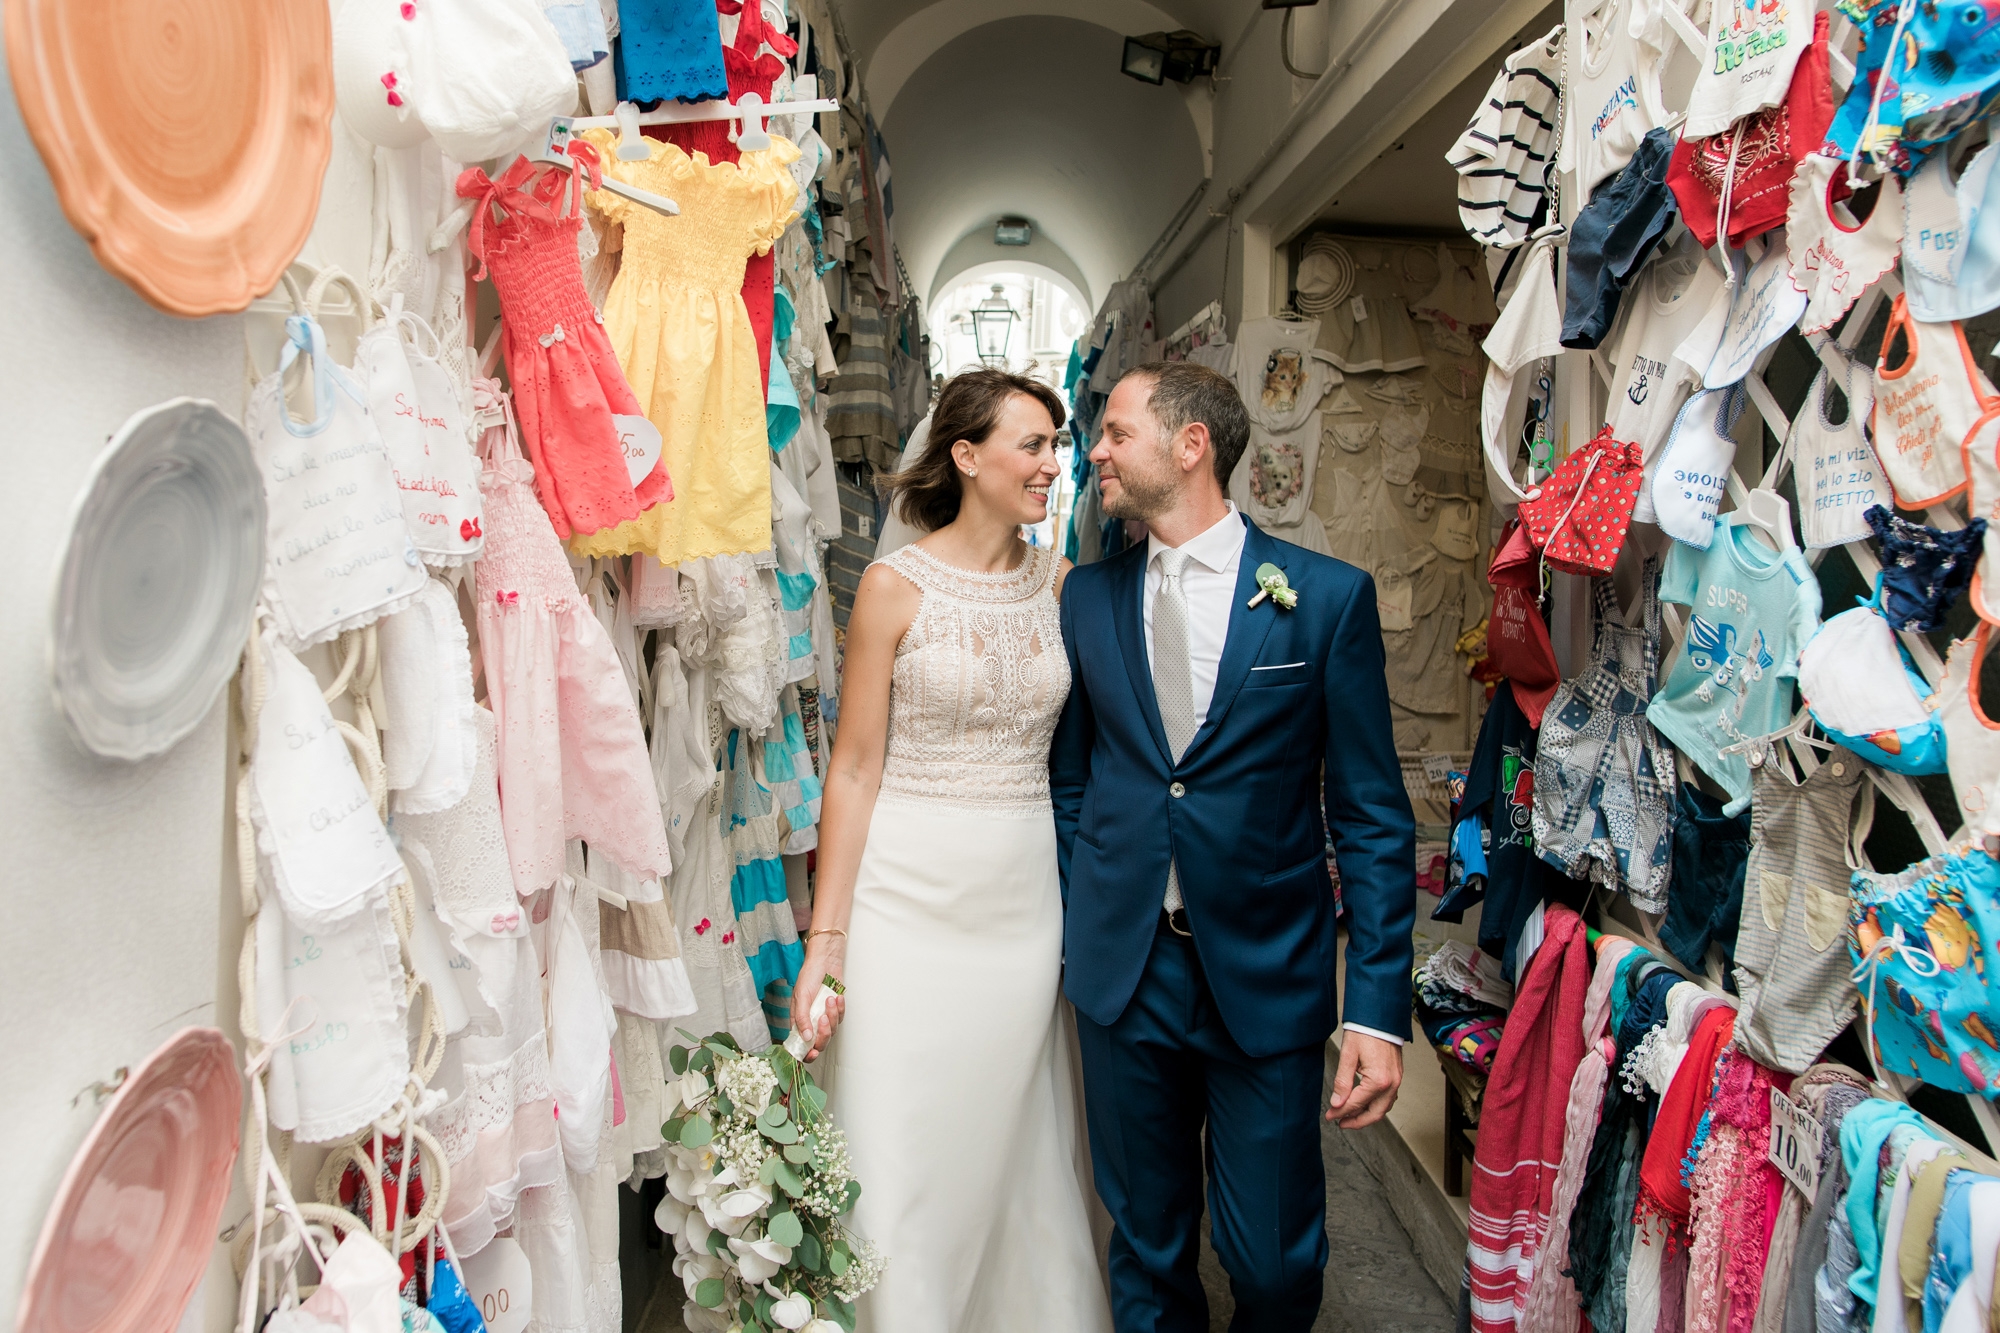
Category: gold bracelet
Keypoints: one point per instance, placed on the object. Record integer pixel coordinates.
(811, 933)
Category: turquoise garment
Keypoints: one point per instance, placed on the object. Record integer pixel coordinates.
(1862, 1135)
(450, 1304)
(1951, 1251)
(1752, 610)
(781, 399)
(753, 829)
(670, 48)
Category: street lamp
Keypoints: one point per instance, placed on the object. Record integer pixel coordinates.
(992, 324)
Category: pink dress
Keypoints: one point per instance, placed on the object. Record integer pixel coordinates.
(572, 757)
(566, 380)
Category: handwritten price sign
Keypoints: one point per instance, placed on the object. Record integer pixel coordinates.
(500, 1283)
(1795, 1144)
(640, 439)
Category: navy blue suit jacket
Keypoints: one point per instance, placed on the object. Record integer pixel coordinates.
(1298, 692)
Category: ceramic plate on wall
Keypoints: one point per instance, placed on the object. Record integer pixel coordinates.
(186, 138)
(157, 582)
(130, 1234)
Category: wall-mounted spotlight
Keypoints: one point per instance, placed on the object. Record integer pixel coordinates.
(1182, 56)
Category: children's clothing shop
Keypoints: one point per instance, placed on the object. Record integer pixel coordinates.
(446, 925)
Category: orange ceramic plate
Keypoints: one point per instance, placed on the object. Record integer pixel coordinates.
(134, 1223)
(186, 138)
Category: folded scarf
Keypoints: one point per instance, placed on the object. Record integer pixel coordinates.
(1733, 1192)
(1819, 1092)
(1521, 1124)
(1601, 1225)
(1862, 1135)
(1663, 1190)
(1552, 1303)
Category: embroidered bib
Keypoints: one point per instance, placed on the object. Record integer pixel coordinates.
(1834, 258)
(1688, 480)
(1765, 305)
(338, 552)
(1926, 402)
(422, 422)
(1834, 466)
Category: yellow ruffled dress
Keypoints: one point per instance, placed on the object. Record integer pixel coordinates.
(677, 323)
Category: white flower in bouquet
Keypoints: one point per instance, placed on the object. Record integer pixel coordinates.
(758, 1180)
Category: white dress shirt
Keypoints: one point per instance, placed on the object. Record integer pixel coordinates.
(1209, 584)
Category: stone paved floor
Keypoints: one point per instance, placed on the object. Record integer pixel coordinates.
(1374, 1283)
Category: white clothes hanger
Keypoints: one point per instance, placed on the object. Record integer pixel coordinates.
(1767, 512)
(561, 130)
(749, 110)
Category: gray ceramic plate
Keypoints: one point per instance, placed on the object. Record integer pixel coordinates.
(157, 581)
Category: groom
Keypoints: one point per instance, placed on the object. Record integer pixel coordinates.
(1200, 936)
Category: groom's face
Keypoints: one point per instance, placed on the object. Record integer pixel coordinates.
(1136, 475)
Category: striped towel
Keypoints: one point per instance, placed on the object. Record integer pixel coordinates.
(1502, 159)
(1522, 1124)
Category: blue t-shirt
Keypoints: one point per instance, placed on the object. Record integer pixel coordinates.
(1751, 611)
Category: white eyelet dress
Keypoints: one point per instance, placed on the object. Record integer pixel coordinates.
(953, 1076)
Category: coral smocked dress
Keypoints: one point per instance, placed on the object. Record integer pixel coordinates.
(677, 322)
(568, 388)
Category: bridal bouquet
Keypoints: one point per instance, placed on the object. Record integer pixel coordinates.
(757, 1182)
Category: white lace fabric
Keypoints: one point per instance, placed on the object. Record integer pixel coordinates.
(979, 681)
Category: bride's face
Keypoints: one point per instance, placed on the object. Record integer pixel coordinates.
(1010, 473)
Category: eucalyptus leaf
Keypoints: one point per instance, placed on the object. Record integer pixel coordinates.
(785, 1228)
(853, 1193)
(703, 1059)
(724, 1106)
(836, 1263)
(776, 1113)
(785, 1133)
(843, 1314)
(798, 1154)
(708, 1293)
(763, 1308)
(768, 1173)
(697, 1133)
(677, 1057)
(671, 1131)
(810, 1253)
(788, 1179)
(692, 1039)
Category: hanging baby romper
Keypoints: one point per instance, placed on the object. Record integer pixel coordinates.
(1604, 779)
(568, 388)
(572, 757)
(681, 331)
(1791, 971)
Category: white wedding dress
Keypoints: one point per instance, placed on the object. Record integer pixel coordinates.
(952, 1073)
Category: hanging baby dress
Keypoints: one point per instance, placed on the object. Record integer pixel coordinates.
(572, 757)
(677, 319)
(568, 388)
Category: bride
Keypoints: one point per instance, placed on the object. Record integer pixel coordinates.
(938, 902)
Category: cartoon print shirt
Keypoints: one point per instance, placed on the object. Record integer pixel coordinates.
(1277, 373)
(1756, 46)
(1499, 802)
(1750, 612)
(1273, 483)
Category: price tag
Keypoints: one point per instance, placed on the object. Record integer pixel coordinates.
(501, 1285)
(1358, 308)
(1795, 1143)
(640, 439)
(1437, 767)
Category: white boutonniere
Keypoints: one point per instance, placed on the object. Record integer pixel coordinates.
(1271, 583)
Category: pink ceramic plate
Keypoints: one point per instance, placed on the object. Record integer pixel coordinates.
(129, 1236)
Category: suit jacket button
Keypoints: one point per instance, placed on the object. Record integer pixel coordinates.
(1177, 790)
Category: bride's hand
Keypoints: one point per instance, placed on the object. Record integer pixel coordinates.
(826, 956)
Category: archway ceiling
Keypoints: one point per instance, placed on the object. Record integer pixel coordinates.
(1029, 115)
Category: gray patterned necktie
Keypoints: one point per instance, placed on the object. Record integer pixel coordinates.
(1173, 677)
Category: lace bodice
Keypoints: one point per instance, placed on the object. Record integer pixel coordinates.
(979, 681)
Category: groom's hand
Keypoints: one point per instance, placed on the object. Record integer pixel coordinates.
(1364, 1087)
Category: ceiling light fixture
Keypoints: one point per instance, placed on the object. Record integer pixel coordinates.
(1181, 56)
(1013, 231)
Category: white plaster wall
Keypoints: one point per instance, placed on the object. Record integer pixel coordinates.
(112, 870)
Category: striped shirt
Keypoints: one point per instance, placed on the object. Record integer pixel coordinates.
(1502, 159)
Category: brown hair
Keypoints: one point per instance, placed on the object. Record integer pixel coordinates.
(1185, 392)
(926, 491)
